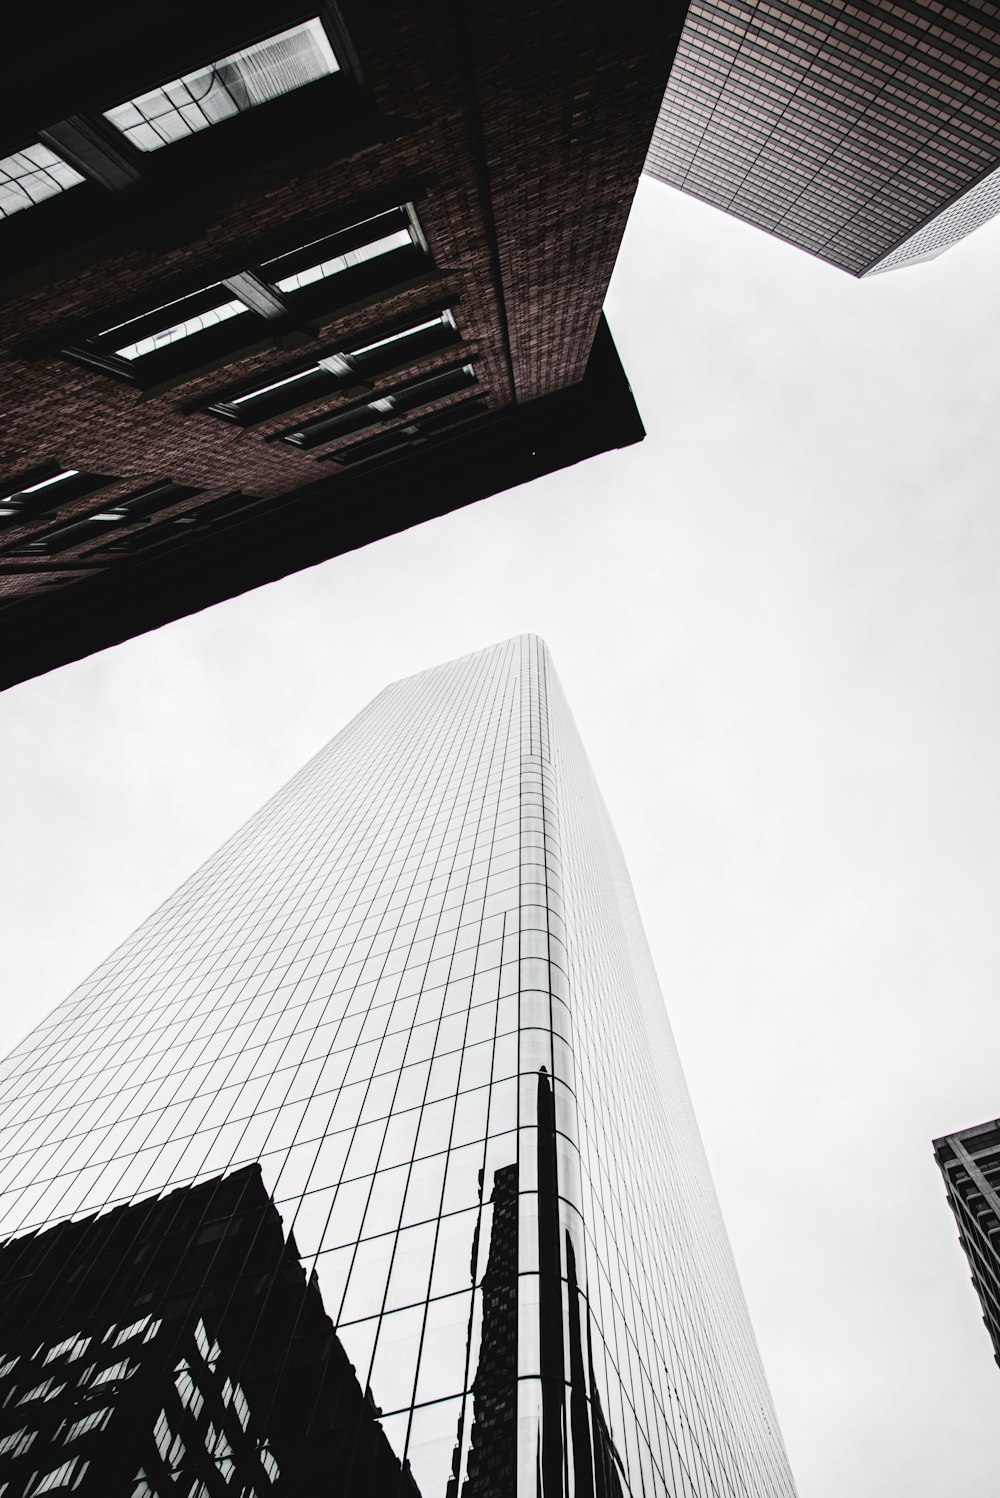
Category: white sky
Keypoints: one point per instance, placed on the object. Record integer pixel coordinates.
(778, 623)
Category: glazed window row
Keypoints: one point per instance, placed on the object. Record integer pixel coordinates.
(157, 117)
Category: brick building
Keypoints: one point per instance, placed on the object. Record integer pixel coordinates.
(277, 282)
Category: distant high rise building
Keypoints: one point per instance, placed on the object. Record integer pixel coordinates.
(868, 133)
(970, 1164)
(367, 1164)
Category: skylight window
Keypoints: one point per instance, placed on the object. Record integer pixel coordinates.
(400, 240)
(183, 329)
(255, 395)
(231, 86)
(49, 493)
(57, 478)
(32, 175)
(356, 365)
(171, 339)
(444, 320)
(384, 407)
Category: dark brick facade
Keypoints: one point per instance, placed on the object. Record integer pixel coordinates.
(514, 132)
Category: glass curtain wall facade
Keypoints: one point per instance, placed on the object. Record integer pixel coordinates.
(408, 1015)
(842, 128)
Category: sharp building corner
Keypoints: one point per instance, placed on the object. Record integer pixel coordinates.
(277, 283)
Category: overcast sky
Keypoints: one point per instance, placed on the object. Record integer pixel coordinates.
(778, 623)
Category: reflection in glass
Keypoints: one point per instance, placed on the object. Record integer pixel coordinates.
(184, 1351)
(398, 1060)
(491, 1460)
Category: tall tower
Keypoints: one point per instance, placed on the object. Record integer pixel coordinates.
(969, 1160)
(867, 133)
(369, 1154)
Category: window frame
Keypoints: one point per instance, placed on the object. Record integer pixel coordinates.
(39, 167)
(217, 62)
(327, 115)
(422, 390)
(351, 378)
(416, 432)
(127, 510)
(274, 316)
(45, 490)
(225, 509)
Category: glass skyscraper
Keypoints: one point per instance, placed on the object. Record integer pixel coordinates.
(366, 1165)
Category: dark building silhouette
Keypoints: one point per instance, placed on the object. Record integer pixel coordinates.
(176, 1347)
(866, 133)
(492, 1465)
(970, 1163)
(278, 282)
(383, 1104)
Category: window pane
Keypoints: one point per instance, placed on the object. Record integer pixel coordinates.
(32, 175)
(336, 263)
(183, 329)
(230, 86)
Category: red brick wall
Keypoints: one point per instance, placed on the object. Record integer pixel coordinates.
(518, 129)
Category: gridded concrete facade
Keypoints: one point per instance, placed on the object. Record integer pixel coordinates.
(970, 1164)
(842, 129)
(415, 989)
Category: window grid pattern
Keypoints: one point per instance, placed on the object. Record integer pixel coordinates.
(32, 175)
(973, 209)
(411, 987)
(399, 239)
(969, 1160)
(234, 84)
(673, 1341)
(840, 128)
(204, 1421)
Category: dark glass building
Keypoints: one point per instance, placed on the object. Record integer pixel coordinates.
(866, 133)
(970, 1164)
(373, 1144)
